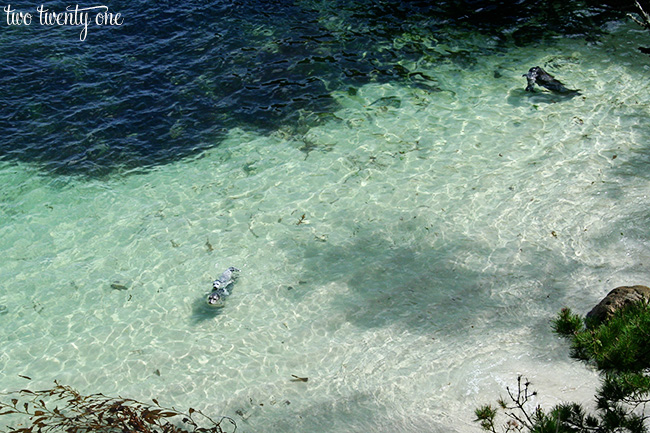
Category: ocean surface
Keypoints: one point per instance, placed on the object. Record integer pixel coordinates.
(406, 217)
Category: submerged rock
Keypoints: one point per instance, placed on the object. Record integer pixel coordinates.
(615, 300)
(117, 285)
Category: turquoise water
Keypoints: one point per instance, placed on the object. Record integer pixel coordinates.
(406, 255)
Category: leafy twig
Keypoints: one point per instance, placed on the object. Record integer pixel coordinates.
(77, 413)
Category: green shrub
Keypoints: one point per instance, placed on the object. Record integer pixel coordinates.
(620, 349)
(621, 343)
(567, 324)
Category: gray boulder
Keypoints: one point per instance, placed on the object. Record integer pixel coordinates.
(618, 298)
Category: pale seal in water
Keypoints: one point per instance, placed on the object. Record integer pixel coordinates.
(220, 286)
(539, 76)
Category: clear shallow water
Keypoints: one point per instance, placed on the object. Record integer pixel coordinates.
(442, 231)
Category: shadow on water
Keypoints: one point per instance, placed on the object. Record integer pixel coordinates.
(171, 81)
(201, 311)
(632, 181)
(440, 288)
(520, 97)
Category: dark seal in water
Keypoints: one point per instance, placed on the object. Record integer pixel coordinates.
(539, 76)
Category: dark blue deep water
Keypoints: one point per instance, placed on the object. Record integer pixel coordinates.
(175, 76)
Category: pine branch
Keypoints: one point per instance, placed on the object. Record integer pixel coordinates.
(520, 400)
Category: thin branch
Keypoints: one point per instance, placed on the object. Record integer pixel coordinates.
(644, 15)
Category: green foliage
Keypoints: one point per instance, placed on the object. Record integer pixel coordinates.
(612, 417)
(485, 415)
(620, 343)
(563, 418)
(620, 348)
(567, 323)
(62, 408)
(625, 386)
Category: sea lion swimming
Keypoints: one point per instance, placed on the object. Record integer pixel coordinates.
(220, 286)
(539, 76)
